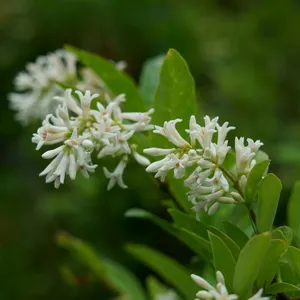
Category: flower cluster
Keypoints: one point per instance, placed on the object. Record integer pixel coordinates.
(219, 292)
(79, 130)
(37, 86)
(200, 162)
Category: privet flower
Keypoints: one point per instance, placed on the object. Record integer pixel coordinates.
(78, 130)
(209, 292)
(36, 86)
(200, 161)
(219, 292)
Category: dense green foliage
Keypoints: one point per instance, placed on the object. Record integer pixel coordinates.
(245, 60)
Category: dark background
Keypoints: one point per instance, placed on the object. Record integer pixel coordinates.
(245, 57)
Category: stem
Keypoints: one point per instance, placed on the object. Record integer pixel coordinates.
(252, 218)
(238, 188)
(234, 180)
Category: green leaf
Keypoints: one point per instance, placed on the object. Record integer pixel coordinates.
(281, 287)
(196, 243)
(261, 156)
(143, 214)
(167, 268)
(175, 96)
(189, 222)
(150, 78)
(117, 81)
(268, 197)
(223, 259)
(292, 258)
(113, 274)
(283, 233)
(287, 274)
(156, 289)
(248, 264)
(232, 246)
(254, 180)
(293, 209)
(270, 264)
(236, 234)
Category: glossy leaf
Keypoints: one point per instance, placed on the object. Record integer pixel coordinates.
(150, 78)
(249, 263)
(143, 214)
(115, 275)
(175, 96)
(117, 81)
(270, 264)
(284, 233)
(167, 268)
(254, 180)
(189, 222)
(292, 258)
(293, 209)
(281, 287)
(223, 259)
(268, 198)
(236, 234)
(196, 243)
(232, 246)
(261, 156)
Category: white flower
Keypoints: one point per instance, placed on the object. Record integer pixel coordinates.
(245, 154)
(169, 295)
(222, 132)
(82, 109)
(80, 130)
(218, 293)
(158, 151)
(142, 160)
(68, 159)
(36, 85)
(202, 134)
(170, 132)
(258, 296)
(116, 177)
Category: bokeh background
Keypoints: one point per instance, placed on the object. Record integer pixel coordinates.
(245, 57)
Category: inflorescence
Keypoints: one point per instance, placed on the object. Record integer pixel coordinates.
(200, 162)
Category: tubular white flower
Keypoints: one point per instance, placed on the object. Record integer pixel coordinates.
(116, 177)
(222, 132)
(245, 154)
(36, 85)
(170, 132)
(81, 130)
(169, 295)
(142, 160)
(218, 293)
(207, 178)
(158, 151)
(258, 296)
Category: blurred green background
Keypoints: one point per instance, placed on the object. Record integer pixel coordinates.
(245, 57)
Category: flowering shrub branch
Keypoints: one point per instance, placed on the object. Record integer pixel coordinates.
(86, 122)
